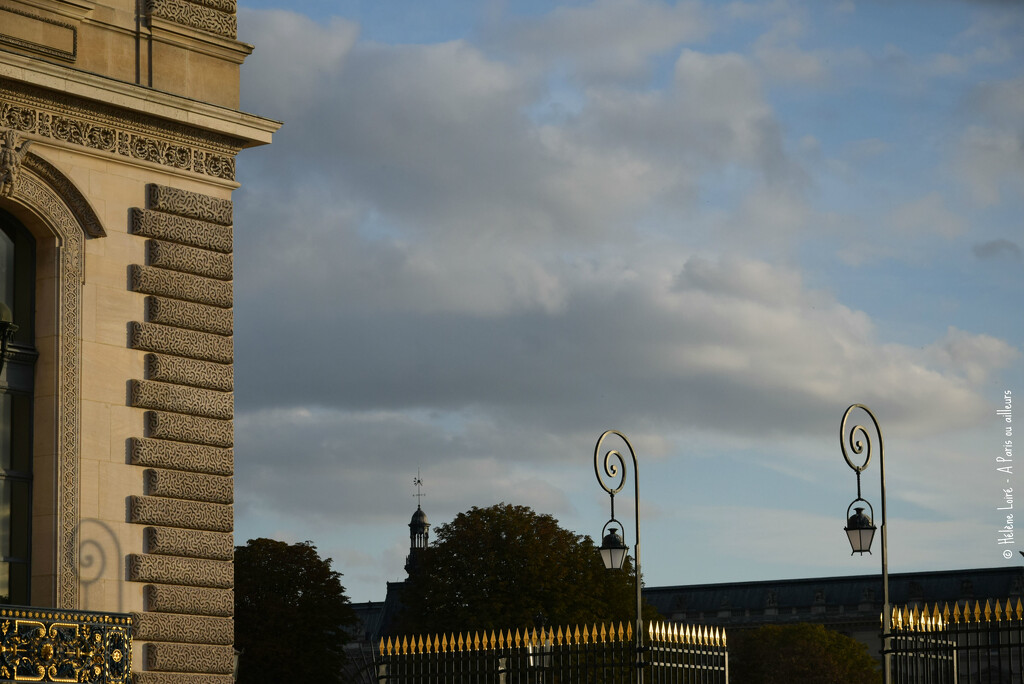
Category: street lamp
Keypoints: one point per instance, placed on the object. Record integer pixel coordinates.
(860, 528)
(613, 548)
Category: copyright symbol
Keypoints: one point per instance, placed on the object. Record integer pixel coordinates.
(1007, 554)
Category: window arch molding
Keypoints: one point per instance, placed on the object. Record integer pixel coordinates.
(55, 211)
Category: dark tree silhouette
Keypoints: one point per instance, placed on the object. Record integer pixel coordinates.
(805, 653)
(508, 567)
(292, 617)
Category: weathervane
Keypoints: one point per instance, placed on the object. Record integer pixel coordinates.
(418, 483)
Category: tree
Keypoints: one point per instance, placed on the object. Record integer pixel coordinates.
(805, 653)
(507, 567)
(292, 617)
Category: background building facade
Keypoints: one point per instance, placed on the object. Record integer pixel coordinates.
(120, 126)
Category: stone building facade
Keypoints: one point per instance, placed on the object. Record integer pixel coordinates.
(120, 126)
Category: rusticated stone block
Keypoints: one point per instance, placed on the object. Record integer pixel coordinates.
(181, 314)
(180, 428)
(160, 226)
(180, 678)
(192, 401)
(192, 572)
(176, 484)
(182, 371)
(192, 288)
(187, 629)
(173, 541)
(192, 457)
(168, 598)
(189, 204)
(172, 657)
(178, 257)
(192, 344)
(195, 16)
(193, 515)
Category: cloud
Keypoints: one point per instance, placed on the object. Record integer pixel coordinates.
(991, 152)
(606, 39)
(994, 249)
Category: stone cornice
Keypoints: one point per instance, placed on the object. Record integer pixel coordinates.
(232, 128)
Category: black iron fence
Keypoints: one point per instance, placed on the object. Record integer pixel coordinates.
(49, 645)
(969, 645)
(600, 654)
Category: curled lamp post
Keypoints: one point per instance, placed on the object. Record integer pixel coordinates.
(860, 528)
(613, 548)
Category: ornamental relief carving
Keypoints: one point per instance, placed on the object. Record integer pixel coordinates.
(197, 458)
(194, 15)
(75, 121)
(166, 598)
(172, 657)
(50, 195)
(193, 572)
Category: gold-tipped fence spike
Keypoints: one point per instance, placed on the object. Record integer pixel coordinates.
(956, 611)
(629, 630)
(988, 612)
(383, 648)
(576, 634)
(998, 611)
(1020, 610)
(945, 612)
(559, 642)
(977, 611)
(604, 633)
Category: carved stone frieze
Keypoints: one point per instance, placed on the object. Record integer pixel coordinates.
(77, 121)
(192, 288)
(173, 541)
(188, 629)
(175, 657)
(193, 572)
(229, 6)
(182, 229)
(152, 677)
(176, 484)
(161, 453)
(76, 202)
(189, 204)
(179, 428)
(176, 257)
(165, 339)
(163, 396)
(194, 16)
(167, 598)
(182, 314)
(181, 371)
(194, 515)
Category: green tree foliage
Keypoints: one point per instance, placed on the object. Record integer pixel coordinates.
(805, 653)
(292, 617)
(507, 567)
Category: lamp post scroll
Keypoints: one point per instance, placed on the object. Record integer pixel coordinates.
(860, 528)
(613, 548)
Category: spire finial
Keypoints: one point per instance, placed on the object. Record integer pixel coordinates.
(418, 483)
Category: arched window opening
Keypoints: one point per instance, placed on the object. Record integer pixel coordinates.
(17, 290)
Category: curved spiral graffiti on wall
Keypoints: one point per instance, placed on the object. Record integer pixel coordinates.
(99, 559)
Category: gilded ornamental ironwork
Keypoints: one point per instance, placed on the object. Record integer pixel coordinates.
(64, 646)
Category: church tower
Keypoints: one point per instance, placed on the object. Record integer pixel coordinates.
(419, 532)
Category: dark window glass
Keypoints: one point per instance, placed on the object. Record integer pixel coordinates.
(17, 289)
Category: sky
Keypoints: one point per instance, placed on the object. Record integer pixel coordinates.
(489, 231)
